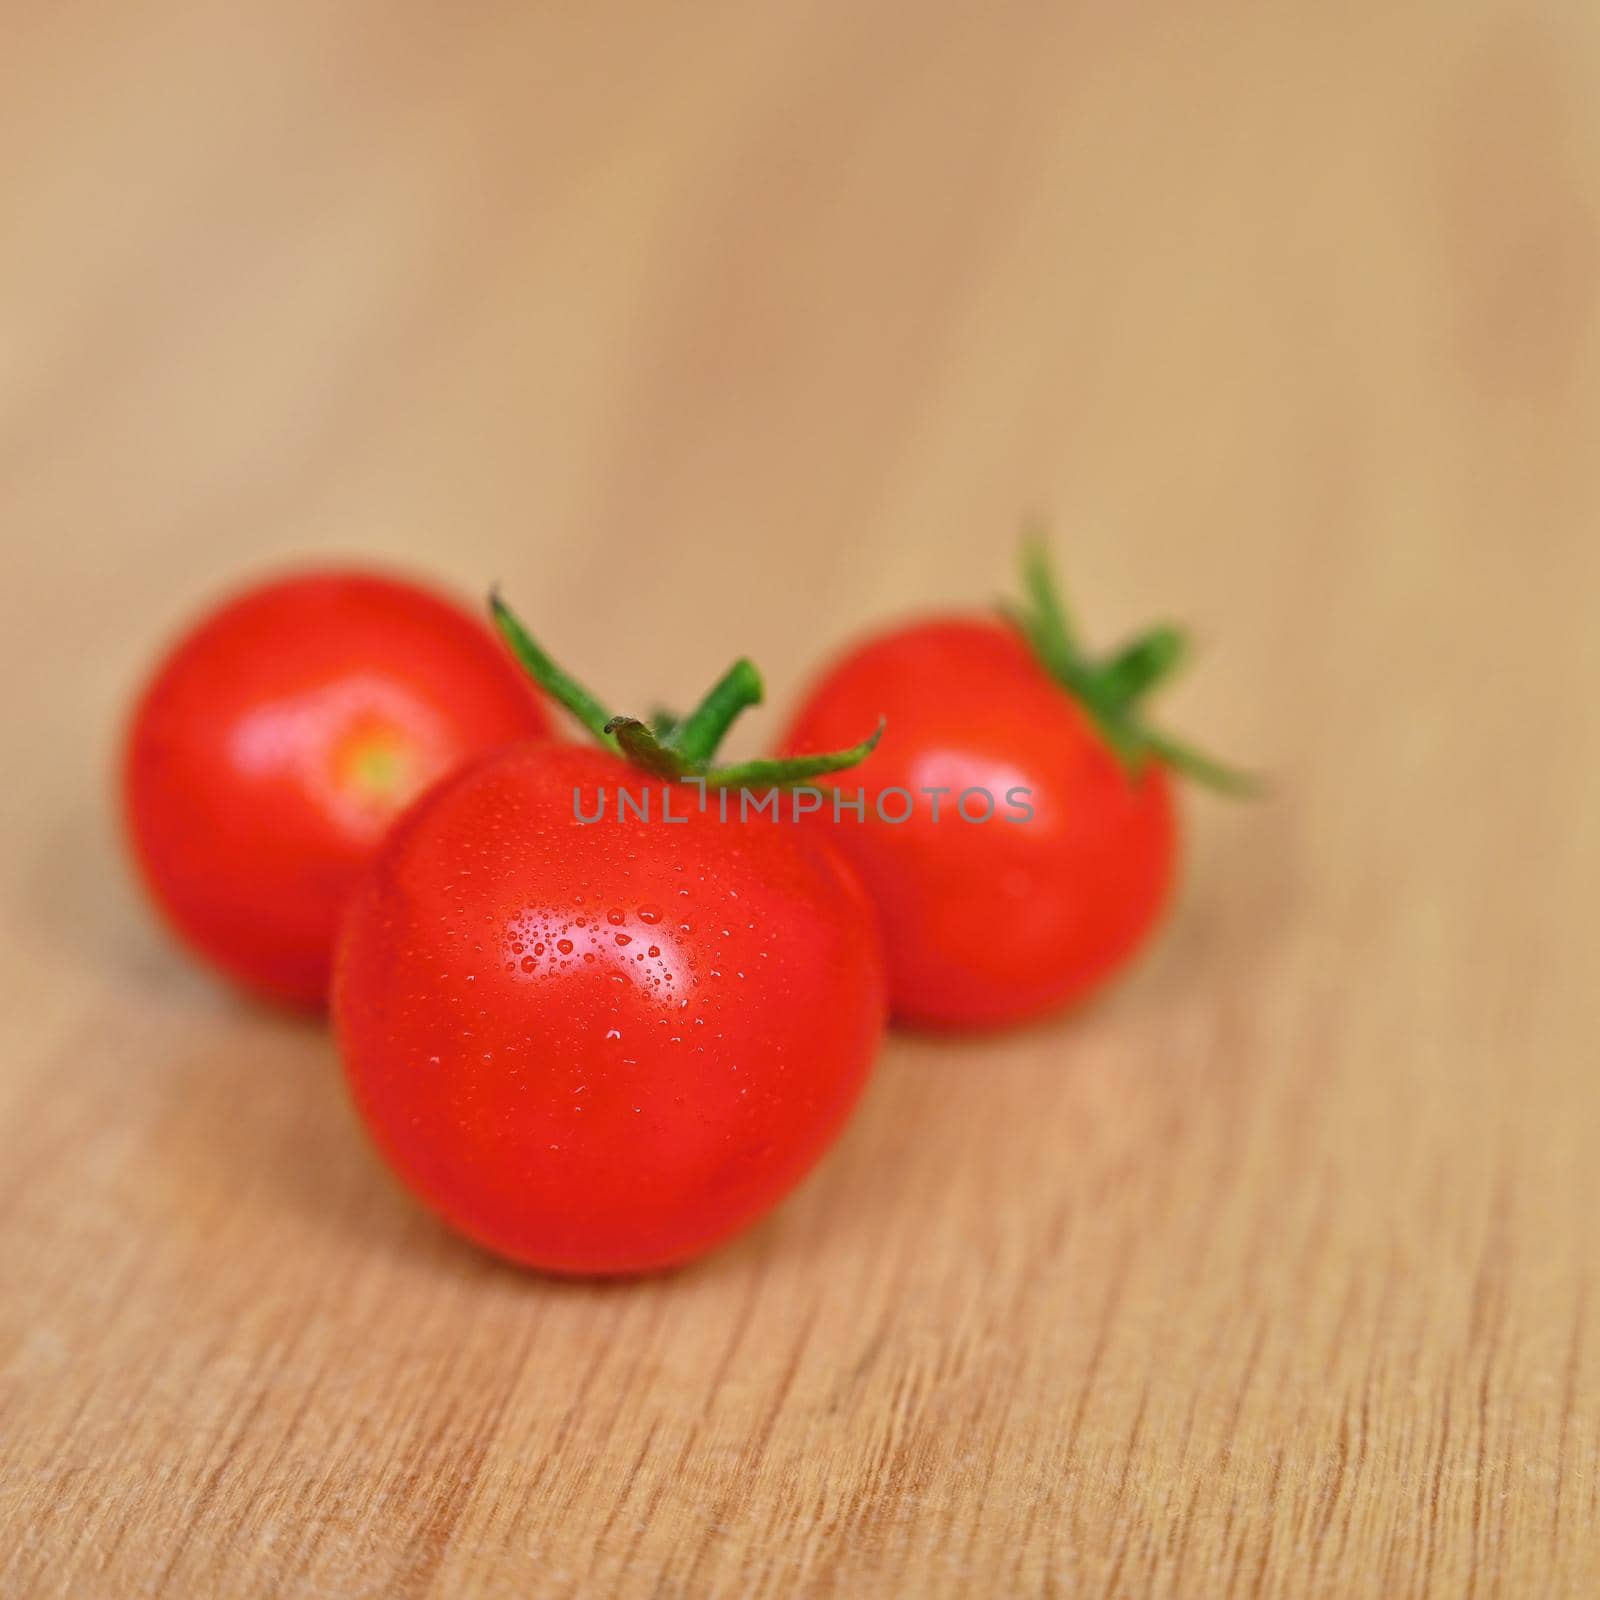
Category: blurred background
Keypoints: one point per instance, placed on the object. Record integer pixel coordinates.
(793, 307)
(721, 328)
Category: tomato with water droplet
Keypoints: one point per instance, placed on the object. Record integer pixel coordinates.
(634, 1092)
(558, 1069)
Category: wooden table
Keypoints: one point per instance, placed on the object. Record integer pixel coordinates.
(734, 328)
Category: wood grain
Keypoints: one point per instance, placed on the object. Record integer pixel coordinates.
(729, 327)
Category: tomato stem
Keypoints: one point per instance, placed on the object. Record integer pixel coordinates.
(696, 738)
(641, 746)
(793, 769)
(556, 683)
(1143, 663)
(1198, 765)
(665, 747)
(1052, 629)
(1111, 689)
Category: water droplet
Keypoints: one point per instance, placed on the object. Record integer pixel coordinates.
(529, 964)
(614, 917)
(649, 913)
(564, 946)
(623, 938)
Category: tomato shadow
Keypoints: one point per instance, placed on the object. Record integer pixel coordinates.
(943, 1172)
(262, 1127)
(260, 1120)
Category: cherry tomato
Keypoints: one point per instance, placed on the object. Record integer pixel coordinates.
(602, 1047)
(279, 739)
(599, 1038)
(1019, 834)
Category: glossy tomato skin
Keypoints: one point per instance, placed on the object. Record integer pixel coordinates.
(278, 740)
(602, 1048)
(987, 923)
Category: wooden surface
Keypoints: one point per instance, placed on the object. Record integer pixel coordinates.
(734, 328)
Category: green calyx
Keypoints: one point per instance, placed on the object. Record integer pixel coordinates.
(670, 747)
(1112, 689)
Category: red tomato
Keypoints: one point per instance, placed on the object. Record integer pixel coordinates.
(279, 739)
(1056, 867)
(602, 1047)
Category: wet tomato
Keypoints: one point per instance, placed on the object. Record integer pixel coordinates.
(605, 1046)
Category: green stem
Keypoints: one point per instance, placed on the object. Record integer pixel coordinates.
(1051, 626)
(671, 750)
(643, 749)
(1143, 663)
(1110, 690)
(1196, 764)
(696, 738)
(559, 685)
(793, 769)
